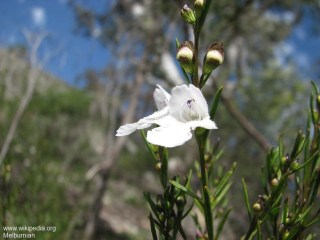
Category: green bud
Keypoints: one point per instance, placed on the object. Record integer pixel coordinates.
(257, 207)
(262, 199)
(284, 160)
(198, 7)
(188, 14)
(294, 165)
(298, 145)
(213, 58)
(286, 234)
(315, 115)
(161, 217)
(185, 56)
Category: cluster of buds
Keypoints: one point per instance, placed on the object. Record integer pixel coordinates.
(189, 15)
(260, 204)
(213, 58)
(187, 55)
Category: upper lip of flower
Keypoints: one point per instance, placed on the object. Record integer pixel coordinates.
(178, 114)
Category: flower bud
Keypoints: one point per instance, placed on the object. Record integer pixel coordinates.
(286, 234)
(257, 207)
(161, 217)
(185, 56)
(188, 14)
(294, 166)
(284, 160)
(198, 7)
(181, 200)
(158, 166)
(213, 58)
(274, 182)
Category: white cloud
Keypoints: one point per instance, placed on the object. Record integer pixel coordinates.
(96, 32)
(137, 10)
(38, 16)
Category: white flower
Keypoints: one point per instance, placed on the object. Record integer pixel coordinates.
(178, 114)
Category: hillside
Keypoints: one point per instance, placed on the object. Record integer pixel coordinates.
(57, 140)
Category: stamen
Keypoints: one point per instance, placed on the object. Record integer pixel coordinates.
(189, 102)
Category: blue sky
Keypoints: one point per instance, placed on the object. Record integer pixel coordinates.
(75, 53)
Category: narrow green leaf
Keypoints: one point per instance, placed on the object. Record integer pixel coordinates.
(285, 211)
(203, 16)
(153, 206)
(315, 88)
(208, 212)
(187, 212)
(218, 198)
(221, 223)
(315, 186)
(281, 149)
(213, 108)
(153, 228)
(199, 205)
(246, 198)
(293, 233)
(187, 185)
(312, 158)
(150, 146)
(298, 145)
(312, 113)
(185, 75)
(259, 233)
(309, 224)
(215, 103)
(223, 182)
(185, 190)
(177, 43)
(303, 215)
(203, 79)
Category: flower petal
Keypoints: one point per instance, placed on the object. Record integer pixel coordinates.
(199, 98)
(161, 97)
(156, 115)
(188, 104)
(145, 122)
(169, 136)
(127, 129)
(204, 123)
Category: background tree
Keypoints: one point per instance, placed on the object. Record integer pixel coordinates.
(262, 98)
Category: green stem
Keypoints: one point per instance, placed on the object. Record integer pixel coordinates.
(195, 76)
(164, 167)
(202, 166)
(205, 192)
